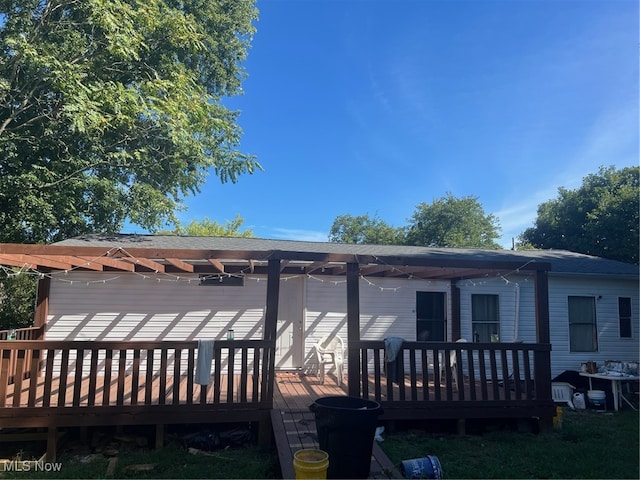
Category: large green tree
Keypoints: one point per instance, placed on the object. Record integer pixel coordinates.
(364, 229)
(599, 218)
(453, 222)
(111, 110)
(211, 228)
(447, 222)
(17, 298)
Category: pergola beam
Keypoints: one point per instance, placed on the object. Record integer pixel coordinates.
(184, 266)
(435, 265)
(110, 262)
(217, 264)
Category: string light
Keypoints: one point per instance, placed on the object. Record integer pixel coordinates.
(25, 269)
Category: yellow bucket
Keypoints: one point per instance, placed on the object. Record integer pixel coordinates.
(557, 420)
(311, 463)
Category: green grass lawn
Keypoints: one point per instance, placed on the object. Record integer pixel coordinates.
(79, 459)
(590, 444)
(172, 461)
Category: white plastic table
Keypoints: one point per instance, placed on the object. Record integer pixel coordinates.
(616, 385)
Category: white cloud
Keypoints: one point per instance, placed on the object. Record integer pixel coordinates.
(296, 234)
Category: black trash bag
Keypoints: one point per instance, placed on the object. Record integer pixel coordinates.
(236, 437)
(211, 439)
(204, 440)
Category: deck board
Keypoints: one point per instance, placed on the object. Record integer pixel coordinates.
(294, 425)
(117, 389)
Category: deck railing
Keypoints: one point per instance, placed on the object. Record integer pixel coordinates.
(28, 333)
(429, 372)
(132, 373)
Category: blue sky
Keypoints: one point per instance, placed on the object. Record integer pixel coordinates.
(356, 107)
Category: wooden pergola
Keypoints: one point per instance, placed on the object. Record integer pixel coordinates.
(348, 261)
(274, 263)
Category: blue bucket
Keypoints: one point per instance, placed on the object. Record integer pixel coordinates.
(426, 467)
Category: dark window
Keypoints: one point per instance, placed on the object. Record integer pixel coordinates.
(485, 317)
(431, 319)
(624, 313)
(583, 330)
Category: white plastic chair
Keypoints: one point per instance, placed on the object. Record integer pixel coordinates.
(330, 350)
(453, 362)
(431, 365)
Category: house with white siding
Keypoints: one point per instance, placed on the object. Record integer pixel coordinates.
(122, 323)
(593, 303)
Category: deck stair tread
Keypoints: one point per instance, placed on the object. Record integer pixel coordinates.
(296, 430)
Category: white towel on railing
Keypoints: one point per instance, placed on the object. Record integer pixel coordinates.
(203, 367)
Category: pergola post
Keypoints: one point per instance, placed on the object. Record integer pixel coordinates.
(353, 328)
(273, 294)
(542, 360)
(269, 333)
(542, 306)
(42, 306)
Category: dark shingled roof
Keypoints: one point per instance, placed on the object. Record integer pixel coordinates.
(561, 261)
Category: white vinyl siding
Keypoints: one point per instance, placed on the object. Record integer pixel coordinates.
(387, 309)
(134, 307)
(129, 306)
(606, 292)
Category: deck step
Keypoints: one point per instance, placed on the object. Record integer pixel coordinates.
(296, 429)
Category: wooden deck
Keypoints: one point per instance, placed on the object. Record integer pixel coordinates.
(57, 384)
(294, 425)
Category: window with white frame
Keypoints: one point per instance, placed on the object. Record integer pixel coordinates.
(485, 318)
(583, 331)
(624, 315)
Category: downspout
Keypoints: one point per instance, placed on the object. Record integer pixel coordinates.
(516, 316)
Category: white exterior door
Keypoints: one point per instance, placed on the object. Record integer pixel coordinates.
(289, 339)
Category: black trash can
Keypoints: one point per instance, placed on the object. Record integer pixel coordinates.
(346, 428)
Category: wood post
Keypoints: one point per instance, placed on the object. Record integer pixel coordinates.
(353, 328)
(52, 444)
(265, 429)
(159, 436)
(42, 306)
(271, 324)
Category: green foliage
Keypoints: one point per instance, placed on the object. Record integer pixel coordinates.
(447, 222)
(365, 230)
(17, 299)
(111, 110)
(209, 228)
(599, 218)
(453, 222)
